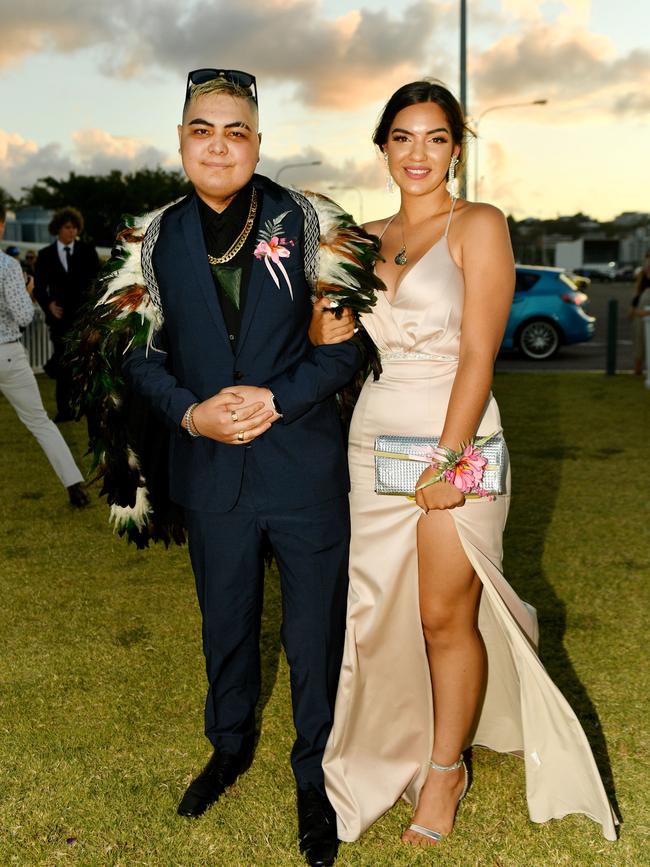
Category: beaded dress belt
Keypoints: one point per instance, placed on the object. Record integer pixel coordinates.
(415, 356)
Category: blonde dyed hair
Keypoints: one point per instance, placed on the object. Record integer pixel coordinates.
(220, 86)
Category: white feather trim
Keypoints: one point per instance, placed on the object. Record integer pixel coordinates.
(139, 513)
(329, 213)
(130, 274)
(331, 271)
(132, 458)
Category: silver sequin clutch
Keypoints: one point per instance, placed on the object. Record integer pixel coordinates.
(400, 461)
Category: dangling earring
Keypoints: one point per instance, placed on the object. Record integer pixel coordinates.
(453, 184)
(390, 186)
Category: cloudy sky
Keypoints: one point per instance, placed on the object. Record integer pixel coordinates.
(92, 85)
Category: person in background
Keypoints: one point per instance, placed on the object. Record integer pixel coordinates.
(29, 262)
(29, 281)
(26, 265)
(18, 383)
(637, 314)
(64, 272)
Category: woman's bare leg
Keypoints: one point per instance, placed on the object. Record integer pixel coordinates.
(450, 592)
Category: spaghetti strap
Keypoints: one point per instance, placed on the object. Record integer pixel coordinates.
(451, 211)
(386, 226)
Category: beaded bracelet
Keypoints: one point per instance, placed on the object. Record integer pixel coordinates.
(188, 418)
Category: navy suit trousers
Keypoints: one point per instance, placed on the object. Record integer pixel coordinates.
(311, 549)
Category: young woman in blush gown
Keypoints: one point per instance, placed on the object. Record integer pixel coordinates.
(440, 651)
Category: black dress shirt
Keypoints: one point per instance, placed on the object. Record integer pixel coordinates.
(220, 231)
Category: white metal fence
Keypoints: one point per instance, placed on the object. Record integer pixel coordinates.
(36, 340)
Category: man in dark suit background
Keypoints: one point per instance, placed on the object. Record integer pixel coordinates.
(64, 272)
(256, 449)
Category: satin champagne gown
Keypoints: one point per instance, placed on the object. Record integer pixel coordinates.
(383, 723)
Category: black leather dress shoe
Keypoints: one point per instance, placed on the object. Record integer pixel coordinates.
(78, 497)
(316, 828)
(220, 772)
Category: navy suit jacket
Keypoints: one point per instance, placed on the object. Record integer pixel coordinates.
(301, 459)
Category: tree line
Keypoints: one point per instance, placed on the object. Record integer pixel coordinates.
(104, 199)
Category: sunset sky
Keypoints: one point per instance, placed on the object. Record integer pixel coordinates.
(90, 86)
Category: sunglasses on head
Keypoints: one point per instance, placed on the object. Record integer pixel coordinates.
(234, 76)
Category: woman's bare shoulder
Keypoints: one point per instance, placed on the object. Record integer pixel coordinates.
(482, 222)
(376, 227)
(482, 215)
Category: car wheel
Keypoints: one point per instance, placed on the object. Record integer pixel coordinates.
(539, 339)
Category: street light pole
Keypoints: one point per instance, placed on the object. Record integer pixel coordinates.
(477, 183)
(463, 77)
(356, 190)
(463, 55)
(295, 166)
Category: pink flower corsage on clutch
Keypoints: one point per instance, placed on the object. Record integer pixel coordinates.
(464, 468)
(478, 468)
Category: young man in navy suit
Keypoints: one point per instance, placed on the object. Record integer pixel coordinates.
(257, 449)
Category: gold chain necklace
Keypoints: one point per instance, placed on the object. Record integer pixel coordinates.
(241, 239)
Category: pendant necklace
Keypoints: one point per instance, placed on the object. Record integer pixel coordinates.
(401, 257)
(241, 238)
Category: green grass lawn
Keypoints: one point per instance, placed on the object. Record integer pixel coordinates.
(102, 680)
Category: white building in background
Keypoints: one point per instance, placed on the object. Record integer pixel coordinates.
(27, 227)
(595, 253)
(635, 246)
(569, 254)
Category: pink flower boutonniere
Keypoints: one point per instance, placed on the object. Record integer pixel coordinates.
(273, 247)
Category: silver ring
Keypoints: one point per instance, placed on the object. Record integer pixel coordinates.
(240, 436)
(233, 415)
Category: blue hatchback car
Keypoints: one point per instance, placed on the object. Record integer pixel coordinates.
(547, 312)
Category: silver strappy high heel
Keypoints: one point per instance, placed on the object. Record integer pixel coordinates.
(436, 835)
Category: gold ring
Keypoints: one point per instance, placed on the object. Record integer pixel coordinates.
(233, 415)
(240, 436)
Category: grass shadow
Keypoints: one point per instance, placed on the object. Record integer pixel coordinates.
(538, 452)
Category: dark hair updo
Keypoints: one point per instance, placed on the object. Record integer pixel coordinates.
(418, 92)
